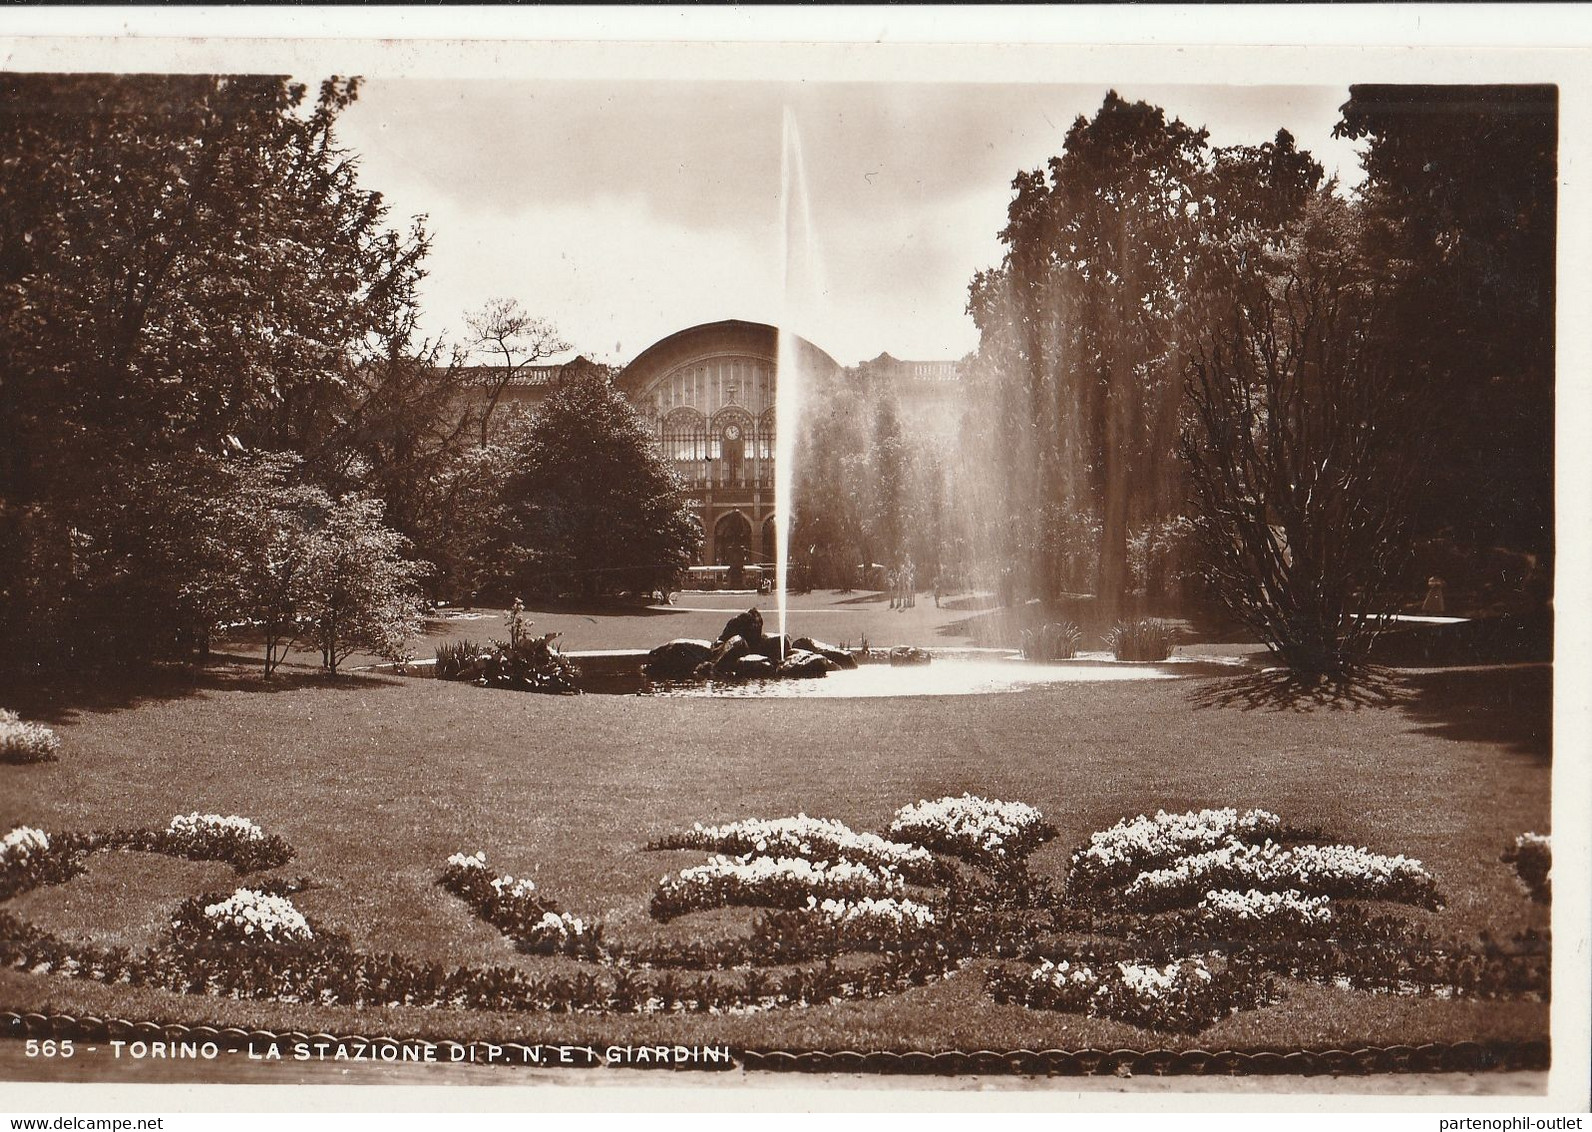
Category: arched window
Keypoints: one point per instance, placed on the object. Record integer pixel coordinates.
(765, 435)
(733, 431)
(685, 435)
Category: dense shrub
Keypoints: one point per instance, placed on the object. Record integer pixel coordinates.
(23, 742)
(1149, 638)
(523, 663)
(1532, 857)
(1056, 640)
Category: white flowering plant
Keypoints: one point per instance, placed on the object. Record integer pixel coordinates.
(29, 858)
(23, 846)
(816, 839)
(24, 742)
(769, 882)
(891, 913)
(1117, 855)
(985, 832)
(216, 837)
(257, 916)
(1185, 994)
(555, 933)
(249, 915)
(1343, 871)
(1254, 915)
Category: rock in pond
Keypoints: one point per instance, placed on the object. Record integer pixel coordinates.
(801, 663)
(776, 648)
(748, 625)
(677, 660)
(837, 656)
(752, 667)
(907, 654)
(727, 653)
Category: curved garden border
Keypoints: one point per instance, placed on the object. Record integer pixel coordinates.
(1432, 1057)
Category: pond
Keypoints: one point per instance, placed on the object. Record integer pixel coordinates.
(968, 673)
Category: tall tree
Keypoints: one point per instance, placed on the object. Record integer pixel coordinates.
(1461, 188)
(188, 265)
(503, 331)
(1303, 439)
(592, 506)
(1109, 265)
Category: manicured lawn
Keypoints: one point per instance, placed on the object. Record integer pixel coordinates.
(376, 780)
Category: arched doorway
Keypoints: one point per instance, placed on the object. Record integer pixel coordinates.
(770, 541)
(732, 540)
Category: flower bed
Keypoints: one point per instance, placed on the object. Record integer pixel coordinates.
(1262, 915)
(1343, 871)
(28, 859)
(212, 837)
(888, 914)
(24, 742)
(1185, 995)
(1177, 957)
(514, 907)
(1128, 848)
(982, 831)
(249, 916)
(816, 839)
(769, 882)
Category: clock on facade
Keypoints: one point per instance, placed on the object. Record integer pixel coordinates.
(733, 432)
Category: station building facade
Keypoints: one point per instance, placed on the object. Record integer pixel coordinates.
(707, 393)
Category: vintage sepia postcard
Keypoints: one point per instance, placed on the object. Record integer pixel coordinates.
(529, 560)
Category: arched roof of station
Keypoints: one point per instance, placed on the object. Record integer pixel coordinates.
(731, 336)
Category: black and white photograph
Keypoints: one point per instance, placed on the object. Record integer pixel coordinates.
(736, 564)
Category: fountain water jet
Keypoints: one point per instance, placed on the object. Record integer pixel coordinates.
(797, 255)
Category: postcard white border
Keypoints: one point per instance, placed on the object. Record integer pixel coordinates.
(1305, 44)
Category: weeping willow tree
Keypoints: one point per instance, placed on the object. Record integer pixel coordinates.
(1114, 258)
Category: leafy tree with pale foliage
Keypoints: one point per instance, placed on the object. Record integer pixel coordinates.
(355, 590)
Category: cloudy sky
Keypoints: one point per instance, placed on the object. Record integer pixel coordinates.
(623, 211)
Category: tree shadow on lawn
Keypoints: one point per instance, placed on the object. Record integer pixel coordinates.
(62, 700)
(867, 597)
(595, 609)
(1275, 689)
(1510, 706)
